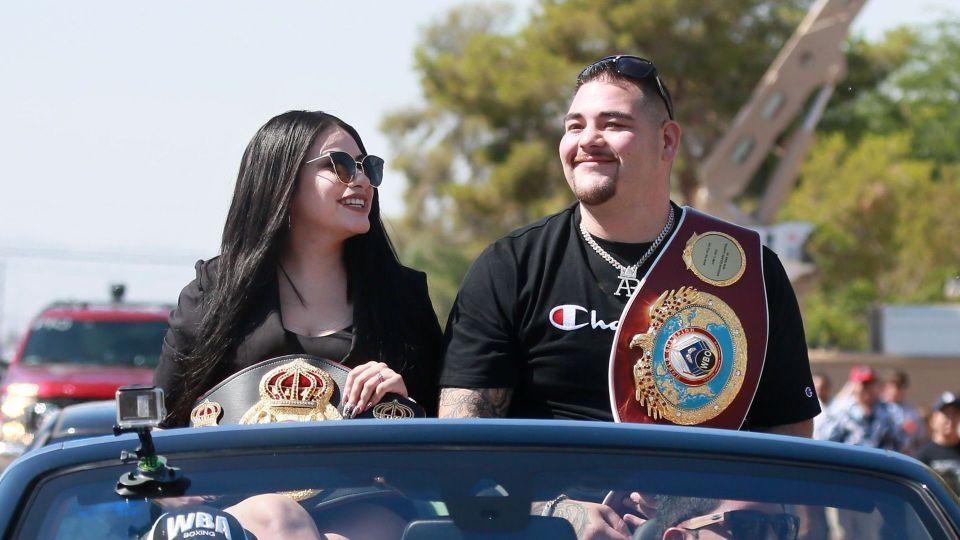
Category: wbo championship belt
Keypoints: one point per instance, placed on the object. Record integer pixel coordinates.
(292, 388)
(691, 341)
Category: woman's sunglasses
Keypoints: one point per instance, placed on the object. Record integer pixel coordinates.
(346, 167)
(749, 524)
(635, 68)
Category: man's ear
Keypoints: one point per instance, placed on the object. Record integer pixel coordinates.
(674, 533)
(670, 132)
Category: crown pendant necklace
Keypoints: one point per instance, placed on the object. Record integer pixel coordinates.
(628, 274)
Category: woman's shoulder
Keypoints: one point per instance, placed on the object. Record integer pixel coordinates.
(206, 275)
(412, 284)
(207, 272)
(412, 274)
(411, 277)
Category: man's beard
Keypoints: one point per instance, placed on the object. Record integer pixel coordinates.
(594, 193)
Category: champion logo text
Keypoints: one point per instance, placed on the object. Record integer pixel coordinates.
(569, 317)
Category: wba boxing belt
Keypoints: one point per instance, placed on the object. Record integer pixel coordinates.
(691, 342)
(293, 388)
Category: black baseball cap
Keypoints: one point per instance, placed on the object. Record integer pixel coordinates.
(197, 522)
(946, 399)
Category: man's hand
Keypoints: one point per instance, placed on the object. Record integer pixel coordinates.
(595, 521)
(474, 402)
(634, 502)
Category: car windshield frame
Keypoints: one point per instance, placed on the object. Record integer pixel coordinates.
(526, 472)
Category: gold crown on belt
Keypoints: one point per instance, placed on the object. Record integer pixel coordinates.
(296, 384)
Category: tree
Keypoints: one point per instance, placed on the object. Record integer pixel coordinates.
(481, 155)
(883, 190)
(908, 82)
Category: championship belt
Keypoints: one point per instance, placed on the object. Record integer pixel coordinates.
(691, 342)
(292, 388)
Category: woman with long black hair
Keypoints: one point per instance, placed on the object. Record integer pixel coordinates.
(305, 267)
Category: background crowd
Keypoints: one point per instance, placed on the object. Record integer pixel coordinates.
(872, 411)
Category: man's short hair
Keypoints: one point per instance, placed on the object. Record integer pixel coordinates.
(673, 511)
(899, 378)
(650, 99)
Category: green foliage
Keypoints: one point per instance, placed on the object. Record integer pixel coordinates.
(828, 319)
(883, 188)
(481, 153)
(882, 185)
(907, 83)
(884, 232)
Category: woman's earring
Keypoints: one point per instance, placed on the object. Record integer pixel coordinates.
(289, 221)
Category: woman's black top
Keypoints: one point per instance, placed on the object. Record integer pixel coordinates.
(264, 337)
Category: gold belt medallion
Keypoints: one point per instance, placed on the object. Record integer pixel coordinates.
(693, 357)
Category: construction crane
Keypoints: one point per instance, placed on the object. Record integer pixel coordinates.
(812, 60)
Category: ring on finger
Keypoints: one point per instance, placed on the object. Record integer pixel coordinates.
(380, 375)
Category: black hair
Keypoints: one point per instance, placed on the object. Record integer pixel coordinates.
(899, 378)
(673, 510)
(253, 237)
(650, 99)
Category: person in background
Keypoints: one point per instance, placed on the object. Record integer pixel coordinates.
(863, 420)
(942, 452)
(909, 418)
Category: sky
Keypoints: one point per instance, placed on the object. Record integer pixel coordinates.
(122, 124)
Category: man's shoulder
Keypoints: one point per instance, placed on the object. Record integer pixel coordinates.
(533, 236)
(544, 226)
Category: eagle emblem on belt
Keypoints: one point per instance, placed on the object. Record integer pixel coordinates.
(693, 357)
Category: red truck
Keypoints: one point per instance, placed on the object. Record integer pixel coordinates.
(75, 352)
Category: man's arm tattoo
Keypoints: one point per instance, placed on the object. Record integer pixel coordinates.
(474, 402)
(576, 514)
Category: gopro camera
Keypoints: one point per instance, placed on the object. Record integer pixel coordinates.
(140, 407)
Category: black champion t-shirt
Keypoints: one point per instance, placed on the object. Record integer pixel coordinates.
(536, 313)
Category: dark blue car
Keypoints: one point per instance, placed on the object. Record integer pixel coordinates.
(483, 479)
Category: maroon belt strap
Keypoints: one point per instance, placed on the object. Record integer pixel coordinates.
(691, 342)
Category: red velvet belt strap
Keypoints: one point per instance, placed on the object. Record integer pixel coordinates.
(691, 342)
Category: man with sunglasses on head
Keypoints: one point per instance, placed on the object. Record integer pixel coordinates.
(531, 331)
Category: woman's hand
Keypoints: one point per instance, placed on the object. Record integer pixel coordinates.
(367, 384)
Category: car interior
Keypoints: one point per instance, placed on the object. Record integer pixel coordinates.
(470, 492)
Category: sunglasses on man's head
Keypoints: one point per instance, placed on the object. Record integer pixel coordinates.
(346, 166)
(749, 524)
(633, 67)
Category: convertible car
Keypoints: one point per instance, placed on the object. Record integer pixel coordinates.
(471, 479)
